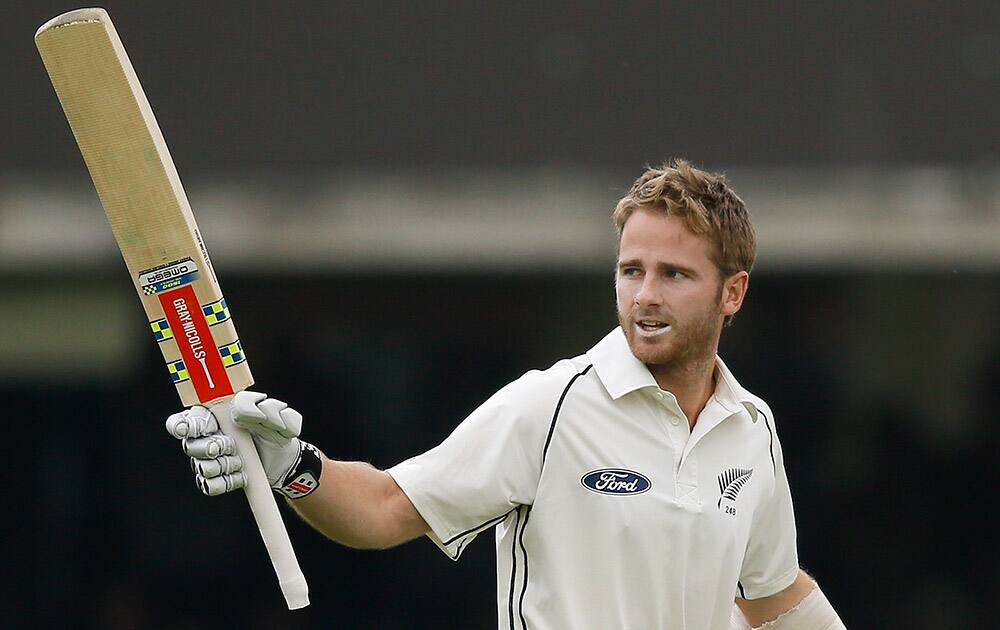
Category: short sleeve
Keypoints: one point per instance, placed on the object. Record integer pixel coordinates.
(486, 468)
(771, 562)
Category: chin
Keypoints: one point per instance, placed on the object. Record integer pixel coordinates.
(656, 353)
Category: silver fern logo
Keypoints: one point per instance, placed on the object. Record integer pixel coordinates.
(730, 483)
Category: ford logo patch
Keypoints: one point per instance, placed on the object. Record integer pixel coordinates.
(615, 481)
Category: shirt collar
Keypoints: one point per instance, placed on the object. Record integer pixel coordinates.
(730, 393)
(621, 373)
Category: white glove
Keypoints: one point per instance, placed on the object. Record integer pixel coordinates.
(292, 466)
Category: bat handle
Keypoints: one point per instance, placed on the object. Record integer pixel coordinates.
(265, 512)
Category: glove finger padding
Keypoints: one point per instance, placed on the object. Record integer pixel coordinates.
(268, 418)
(220, 485)
(210, 468)
(191, 423)
(274, 427)
(209, 447)
(293, 422)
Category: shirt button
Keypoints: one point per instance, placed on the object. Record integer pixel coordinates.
(659, 395)
(675, 421)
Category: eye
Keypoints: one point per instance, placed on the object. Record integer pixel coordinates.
(630, 271)
(676, 275)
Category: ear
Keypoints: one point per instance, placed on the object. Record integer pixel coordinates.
(734, 289)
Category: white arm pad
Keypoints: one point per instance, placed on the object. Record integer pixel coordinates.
(814, 612)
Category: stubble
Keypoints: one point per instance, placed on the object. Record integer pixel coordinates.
(686, 348)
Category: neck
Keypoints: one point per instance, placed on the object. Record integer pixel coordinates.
(692, 384)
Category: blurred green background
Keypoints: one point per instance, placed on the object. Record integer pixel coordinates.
(408, 206)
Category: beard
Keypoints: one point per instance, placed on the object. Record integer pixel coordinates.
(688, 343)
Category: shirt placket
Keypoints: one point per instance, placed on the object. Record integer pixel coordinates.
(685, 476)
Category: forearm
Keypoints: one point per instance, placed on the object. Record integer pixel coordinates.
(758, 611)
(360, 506)
(801, 606)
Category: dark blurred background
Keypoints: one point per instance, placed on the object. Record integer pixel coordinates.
(408, 206)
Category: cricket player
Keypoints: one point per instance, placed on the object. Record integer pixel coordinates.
(635, 486)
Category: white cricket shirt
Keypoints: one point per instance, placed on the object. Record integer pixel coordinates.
(609, 512)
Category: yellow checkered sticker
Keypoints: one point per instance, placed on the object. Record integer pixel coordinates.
(161, 330)
(216, 312)
(178, 372)
(232, 354)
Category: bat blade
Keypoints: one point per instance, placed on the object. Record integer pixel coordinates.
(156, 231)
(145, 204)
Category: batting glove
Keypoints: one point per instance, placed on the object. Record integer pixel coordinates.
(292, 466)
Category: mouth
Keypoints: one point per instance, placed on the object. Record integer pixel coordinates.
(649, 328)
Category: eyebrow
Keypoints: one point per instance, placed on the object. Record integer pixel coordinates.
(662, 266)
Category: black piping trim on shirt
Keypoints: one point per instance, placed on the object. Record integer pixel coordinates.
(518, 539)
(524, 553)
(513, 570)
(774, 467)
(767, 423)
(548, 439)
(492, 521)
(555, 416)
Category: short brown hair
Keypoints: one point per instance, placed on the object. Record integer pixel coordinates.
(706, 204)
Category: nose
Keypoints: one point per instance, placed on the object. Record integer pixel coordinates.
(648, 294)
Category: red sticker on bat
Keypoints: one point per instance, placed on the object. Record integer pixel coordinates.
(201, 356)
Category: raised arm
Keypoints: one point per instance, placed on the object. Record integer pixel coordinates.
(352, 503)
(360, 506)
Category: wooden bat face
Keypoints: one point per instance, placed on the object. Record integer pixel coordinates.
(145, 204)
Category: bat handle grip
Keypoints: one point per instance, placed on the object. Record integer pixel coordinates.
(265, 512)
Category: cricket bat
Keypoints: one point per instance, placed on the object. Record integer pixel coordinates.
(163, 249)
